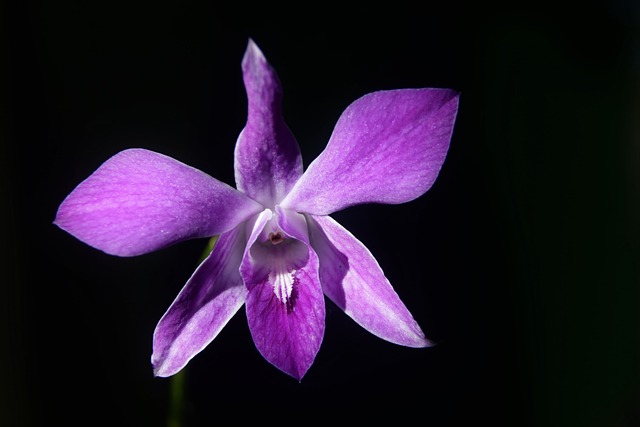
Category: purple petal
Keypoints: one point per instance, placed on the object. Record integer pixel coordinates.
(203, 307)
(387, 147)
(353, 280)
(139, 201)
(285, 304)
(267, 156)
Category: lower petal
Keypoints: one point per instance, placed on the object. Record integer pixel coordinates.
(353, 280)
(288, 334)
(285, 303)
(203, 307)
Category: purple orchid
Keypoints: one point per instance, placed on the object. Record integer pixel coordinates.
(278, 252)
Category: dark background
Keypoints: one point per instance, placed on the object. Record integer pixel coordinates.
(521, 261)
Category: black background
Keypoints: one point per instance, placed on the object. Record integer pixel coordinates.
(521, 261)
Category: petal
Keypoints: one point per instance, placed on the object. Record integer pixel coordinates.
(203, 307)
(387, 147)
(267, 155)
(139, 201)
(353, 280)
(285, 304)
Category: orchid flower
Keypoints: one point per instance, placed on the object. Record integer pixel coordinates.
(278, 252)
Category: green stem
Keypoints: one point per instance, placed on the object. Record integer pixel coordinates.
(178, 400)
(177, 383)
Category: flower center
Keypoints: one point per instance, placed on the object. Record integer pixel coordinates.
(276, 256)
(276, 238)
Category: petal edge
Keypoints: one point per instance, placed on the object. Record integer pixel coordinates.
(206, 303)
(139, 201)
(387, 147)
(267, 156)
(353, 280)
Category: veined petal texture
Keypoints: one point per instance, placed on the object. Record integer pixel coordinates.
(354, 281)
(203, 307)
(267, 156)
(139, 201)
(387, 147)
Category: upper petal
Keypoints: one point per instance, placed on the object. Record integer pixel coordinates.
(353, 280)
(387, 147)
(139, 201)
(267, 155)
(203, 307)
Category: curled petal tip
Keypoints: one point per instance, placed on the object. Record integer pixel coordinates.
(251, 45)
(252, 52)
(429, 343)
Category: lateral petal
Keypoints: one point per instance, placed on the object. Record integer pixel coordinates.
(267, 155)
(387, 147)
(353, 280)
(139, 201)
(203, 307)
